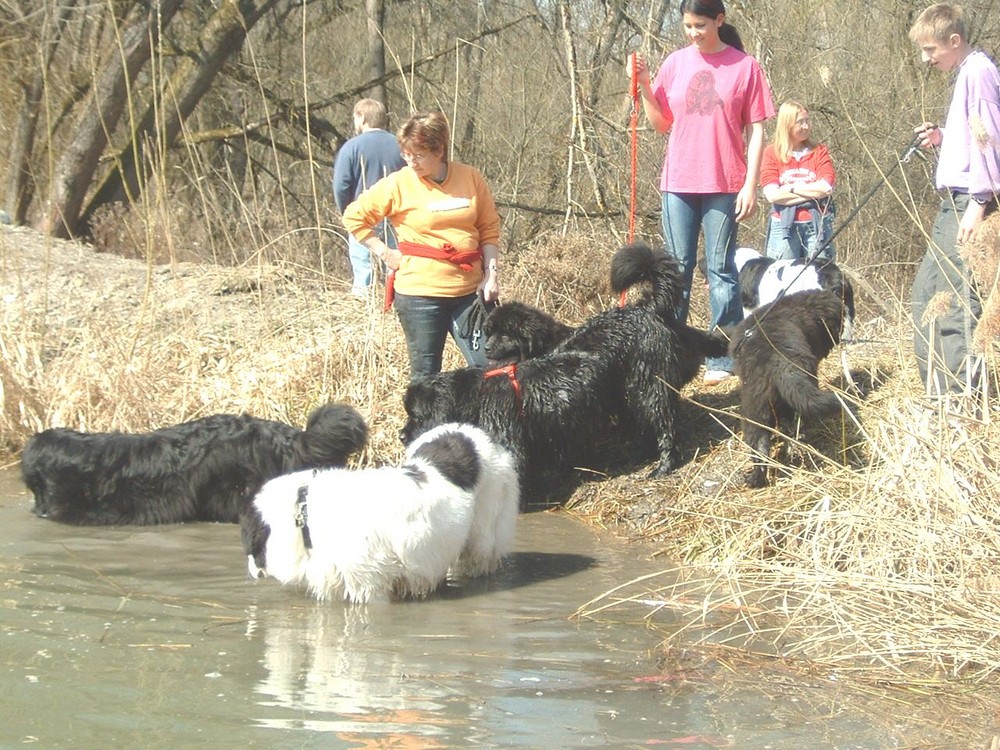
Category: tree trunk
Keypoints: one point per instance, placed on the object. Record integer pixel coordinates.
(20, 187)
(375, 13)
(222, 37)
(76, 167)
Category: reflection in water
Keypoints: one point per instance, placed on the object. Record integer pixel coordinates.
(399, 672)
(322, 664)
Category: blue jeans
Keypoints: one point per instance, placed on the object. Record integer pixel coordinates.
(361, 258)
(426, 323)
(685, 215)
(805, 239)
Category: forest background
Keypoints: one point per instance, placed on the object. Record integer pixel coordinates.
(178, 130)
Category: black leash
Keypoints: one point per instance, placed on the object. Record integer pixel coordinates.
(472, 326)
(904, 159)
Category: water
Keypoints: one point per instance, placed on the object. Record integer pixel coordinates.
(155, 637)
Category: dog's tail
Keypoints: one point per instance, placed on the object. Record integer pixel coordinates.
(801, 391)
(637, 263)
(333, 432)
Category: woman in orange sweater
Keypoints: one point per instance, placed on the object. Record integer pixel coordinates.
(449, 232)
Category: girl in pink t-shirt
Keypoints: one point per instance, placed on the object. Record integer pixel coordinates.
(707, 95)
(797, 176)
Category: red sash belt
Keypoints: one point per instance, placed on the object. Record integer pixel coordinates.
(465, 260)
(511, 372)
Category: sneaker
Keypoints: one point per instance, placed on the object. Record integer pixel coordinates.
(714, 377)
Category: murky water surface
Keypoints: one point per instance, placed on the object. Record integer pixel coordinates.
(155, 637)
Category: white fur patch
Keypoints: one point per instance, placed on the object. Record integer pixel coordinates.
(394, 531)
(788, 277)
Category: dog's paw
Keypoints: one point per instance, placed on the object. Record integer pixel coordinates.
(756, 478)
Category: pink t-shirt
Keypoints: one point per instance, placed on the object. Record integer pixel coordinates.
(711, 98)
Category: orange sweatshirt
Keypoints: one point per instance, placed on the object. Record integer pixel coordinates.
(460, 211)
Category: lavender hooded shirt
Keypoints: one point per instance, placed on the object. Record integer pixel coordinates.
(969, 160)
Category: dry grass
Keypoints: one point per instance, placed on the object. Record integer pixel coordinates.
(876, 552)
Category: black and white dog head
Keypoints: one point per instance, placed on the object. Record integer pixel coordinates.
(762, 280)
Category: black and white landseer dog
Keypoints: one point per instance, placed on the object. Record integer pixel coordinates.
(776, 352)
(391, 532)
(648, 355)
(207, 469)
(763, 279)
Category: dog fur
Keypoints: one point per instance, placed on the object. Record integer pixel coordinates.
(207, 469)
(776, 352)
(389, 532)
(548, 412)
(649, 355)
(763, 280)
(515, 332)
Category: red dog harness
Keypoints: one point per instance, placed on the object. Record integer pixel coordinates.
(463, 259)
(511, 372)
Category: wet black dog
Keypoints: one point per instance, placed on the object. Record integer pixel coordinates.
(649, 356)
(763, 280)
(515, 331)
(547, 411)
(776, 352)
(208, 469)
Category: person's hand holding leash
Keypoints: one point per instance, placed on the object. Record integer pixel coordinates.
(929, 134)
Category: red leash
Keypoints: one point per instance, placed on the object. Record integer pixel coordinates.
(633, 129)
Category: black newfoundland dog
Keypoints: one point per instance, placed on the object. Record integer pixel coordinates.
(776, 352)
(548, 411)
(208, 469)
(648, 356)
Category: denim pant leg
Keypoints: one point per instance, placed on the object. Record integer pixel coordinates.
(426, 322)
(810, 240)
(361, 265)
(777, 246)
(720, 227)
(684, 216)
(681, 219)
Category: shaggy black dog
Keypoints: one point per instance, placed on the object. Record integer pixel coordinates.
(515, 331)
(205, 470)
(649, 355)
(547, 411)
(776, 352)
(763, 280)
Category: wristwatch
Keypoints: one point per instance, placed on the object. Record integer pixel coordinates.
(981, 201)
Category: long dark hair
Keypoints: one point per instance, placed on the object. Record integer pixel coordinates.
(713, 9)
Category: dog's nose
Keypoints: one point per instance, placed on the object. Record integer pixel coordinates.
(402, 437)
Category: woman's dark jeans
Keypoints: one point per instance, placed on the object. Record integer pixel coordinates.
(427, 321)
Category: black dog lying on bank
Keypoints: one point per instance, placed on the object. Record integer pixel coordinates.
(207, 469)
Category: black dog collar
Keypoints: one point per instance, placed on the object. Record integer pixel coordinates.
(302, 516)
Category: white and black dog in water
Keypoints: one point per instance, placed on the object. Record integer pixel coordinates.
(208, 469)
(762, 280)
(391, 532)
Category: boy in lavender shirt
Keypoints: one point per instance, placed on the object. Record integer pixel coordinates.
(968, 173)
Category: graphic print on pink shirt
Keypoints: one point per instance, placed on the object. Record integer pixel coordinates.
(701, 96)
